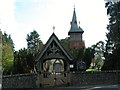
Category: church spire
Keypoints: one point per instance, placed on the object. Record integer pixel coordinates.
(74, 25)
(75, 33)
(74, 19)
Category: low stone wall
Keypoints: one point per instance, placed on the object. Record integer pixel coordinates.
(19, 81)
(95, 78)
(76, 79)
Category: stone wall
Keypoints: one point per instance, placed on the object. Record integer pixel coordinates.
(19, 81)
(76, 79)
(95, 78)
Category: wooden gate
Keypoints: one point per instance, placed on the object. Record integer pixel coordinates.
(55, 79)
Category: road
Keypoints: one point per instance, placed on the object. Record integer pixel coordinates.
(106, 87)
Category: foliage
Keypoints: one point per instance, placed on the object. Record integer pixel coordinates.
(113, 37)
(88, 55)
(91, 70)
(99, 50)
(33, 42)
(66, 43)
(79, 54)
(94, 54)
(0, 51)
(24, 61)
(7, 54)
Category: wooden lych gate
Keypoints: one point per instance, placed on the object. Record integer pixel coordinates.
(53, 64)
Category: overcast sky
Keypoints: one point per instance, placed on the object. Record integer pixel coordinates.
(20, 17)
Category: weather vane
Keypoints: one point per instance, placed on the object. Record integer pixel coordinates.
(53, 28)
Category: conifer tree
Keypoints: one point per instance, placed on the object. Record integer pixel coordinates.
(113, 37)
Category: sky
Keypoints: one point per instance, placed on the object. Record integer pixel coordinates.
(20, 17)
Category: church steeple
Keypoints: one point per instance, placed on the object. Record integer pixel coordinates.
(75, 33)
(74, 25)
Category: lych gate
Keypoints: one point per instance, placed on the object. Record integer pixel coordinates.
(53, 64)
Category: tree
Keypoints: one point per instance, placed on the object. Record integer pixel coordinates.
(98, 59)
(11, 41)
(88, 56)
(24, 61)
(0, 51)
(34, 46)
(33, 42)
(66, 43)
(7, 54)
(77, 54)
(113, 43)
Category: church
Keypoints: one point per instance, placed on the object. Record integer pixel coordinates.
(54, 61)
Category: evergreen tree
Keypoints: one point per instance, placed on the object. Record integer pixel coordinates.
(24, 61)
(113, 43)
(33, 42)
(88, 56)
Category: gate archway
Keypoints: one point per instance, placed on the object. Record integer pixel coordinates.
(53, 64)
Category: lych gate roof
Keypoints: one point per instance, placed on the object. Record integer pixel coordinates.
(52, 47)
(74, 26)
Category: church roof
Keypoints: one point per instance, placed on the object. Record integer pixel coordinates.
(74, 26)
(53, 39)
